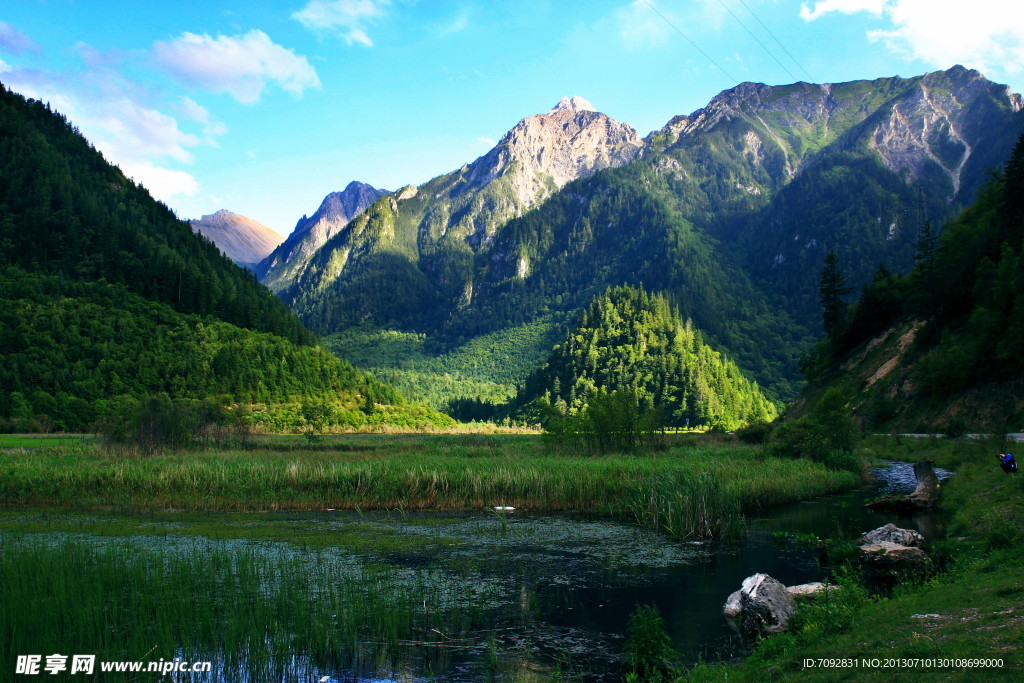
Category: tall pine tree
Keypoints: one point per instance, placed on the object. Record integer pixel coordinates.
(832, 288)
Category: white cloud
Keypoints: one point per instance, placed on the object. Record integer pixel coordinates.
(639, 26)
(239, 65)
(14, 41)
(345, 18)
(4, 66)
(650, 23)
(132, 131)
(823, 7)
(163, 183)
(490, 142)
(119, 118)
(986, 34)
(193, 111)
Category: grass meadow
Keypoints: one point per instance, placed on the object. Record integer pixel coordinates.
(692, 488)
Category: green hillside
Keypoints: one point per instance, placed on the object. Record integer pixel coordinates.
(942, 348)
(105, 296)
(630, 340)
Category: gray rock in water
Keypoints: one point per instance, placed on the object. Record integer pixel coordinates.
(762, 605)
(891, 533)
(733, 606)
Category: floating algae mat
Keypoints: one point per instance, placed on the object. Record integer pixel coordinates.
(382, 596)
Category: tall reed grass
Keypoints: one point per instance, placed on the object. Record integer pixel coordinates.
(256, 617)
(689, 491)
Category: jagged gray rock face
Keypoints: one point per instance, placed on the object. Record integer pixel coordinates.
(571, 141)
(541, 154)
(892, 534)
(279, 269)
(241, 239)
(921, 127)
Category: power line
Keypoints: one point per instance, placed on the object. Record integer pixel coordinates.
(758, 20)
(706, 55)
(757, 40)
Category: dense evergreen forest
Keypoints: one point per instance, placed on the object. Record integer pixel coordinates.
(630, 340)
(65, 211)
(963, 308)
(105, 297)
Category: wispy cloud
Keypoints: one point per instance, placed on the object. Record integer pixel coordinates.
(348, 19)
(459, 23)
(193, 111)
(122, 118)
(239, 65)
(823, 7)
(14, 41)
(490, 142)
(989, 35)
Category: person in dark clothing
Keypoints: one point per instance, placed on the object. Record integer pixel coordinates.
(1007, 462)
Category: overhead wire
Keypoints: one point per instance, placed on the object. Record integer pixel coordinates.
(757, 40)
(695, 46)
(779, 42)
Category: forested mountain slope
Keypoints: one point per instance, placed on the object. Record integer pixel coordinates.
(628, 339)
(941, 349)
(106, 295)
(729, 211)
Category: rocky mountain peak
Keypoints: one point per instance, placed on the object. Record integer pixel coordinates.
(919, 126)
(337, 209)
(243, 240)
(574, 103)
(543, 152)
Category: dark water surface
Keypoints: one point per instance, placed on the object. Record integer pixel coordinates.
(571, 583)
(525, 596)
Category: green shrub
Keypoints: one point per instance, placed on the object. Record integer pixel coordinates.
(648, 649)
(828, 428)
(157, 423)
(832, 610)
(756, 433)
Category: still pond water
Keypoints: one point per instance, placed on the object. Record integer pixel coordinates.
(544, 595)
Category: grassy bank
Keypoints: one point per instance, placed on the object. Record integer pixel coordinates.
(972, 609)
(691, 489)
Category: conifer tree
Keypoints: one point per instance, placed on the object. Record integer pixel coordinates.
(832, 288)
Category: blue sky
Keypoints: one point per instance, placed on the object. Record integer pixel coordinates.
(263, 108)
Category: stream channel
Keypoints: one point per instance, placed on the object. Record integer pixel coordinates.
(525, 596)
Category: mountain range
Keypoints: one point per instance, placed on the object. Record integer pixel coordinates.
(728, 211)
